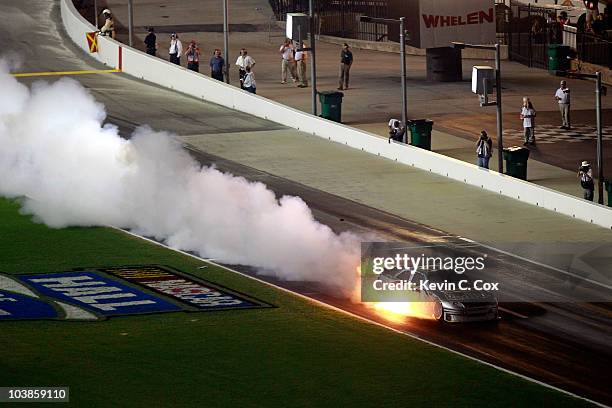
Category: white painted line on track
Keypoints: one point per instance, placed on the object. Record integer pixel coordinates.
(594, 282)
(503, 309)
(373, 322)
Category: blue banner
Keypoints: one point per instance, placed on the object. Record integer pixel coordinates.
(97, 293)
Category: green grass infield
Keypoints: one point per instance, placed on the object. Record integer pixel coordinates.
(297, 354)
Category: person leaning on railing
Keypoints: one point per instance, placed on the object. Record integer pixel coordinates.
(108, 28)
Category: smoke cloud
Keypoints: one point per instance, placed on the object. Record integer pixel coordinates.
(69, 170)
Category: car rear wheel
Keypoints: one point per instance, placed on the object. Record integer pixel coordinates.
(438, 311)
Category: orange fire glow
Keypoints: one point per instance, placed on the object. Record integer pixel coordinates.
(395, 312)
(398, 312)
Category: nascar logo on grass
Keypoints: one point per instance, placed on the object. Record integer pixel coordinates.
(106, 292)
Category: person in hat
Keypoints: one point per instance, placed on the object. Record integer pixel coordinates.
(176, 49)
(108, 28)
(151, 42)
(585, 175)
(484, 149)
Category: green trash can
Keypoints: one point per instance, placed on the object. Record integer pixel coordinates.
(608, 184)
(558, 58)
(420, 133)
(331, 105)
(516, 161)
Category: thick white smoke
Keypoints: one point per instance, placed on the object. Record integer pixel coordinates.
(69, 170)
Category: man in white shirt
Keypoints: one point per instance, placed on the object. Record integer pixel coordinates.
(562, 96)
(242, 63)
(287, 61)
(176, 49)
(300, 60)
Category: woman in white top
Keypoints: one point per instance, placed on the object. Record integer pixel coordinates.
(528, 114)
(175, 50)
(249, 81)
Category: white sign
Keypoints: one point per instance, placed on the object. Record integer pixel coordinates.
(444, 21)
(297, 26)
(479, 74)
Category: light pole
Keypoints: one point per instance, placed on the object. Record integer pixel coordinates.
(225, 42)
(402, 35)
(403, 57)
(599, 91)
(498, 97)
(96, 13)
(313, 68)
(130, 22)
(600, 173)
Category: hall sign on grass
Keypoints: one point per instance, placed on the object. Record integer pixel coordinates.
(437, 23)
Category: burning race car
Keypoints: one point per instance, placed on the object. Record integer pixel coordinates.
(450, 296)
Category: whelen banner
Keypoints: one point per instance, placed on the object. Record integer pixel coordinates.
(436, 23)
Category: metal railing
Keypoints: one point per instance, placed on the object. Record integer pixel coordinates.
(594, 49)
(339, 17)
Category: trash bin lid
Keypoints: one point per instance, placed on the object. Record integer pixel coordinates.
(419, 122)
(517, 151)
(332, 93)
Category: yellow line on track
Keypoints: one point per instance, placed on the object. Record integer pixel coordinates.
(53, 73)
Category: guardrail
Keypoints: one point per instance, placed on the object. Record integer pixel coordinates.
(160, 72)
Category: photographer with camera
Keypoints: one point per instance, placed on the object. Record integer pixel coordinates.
(585, 175)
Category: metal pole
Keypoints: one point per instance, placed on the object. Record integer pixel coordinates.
(313, 66)
(403, 58)
(225, 42)
(96, 13)
(500, 141)
(600, 172)
(130, 22)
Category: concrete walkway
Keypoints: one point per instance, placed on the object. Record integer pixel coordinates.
(375, 85)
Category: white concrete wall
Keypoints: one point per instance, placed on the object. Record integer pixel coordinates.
(158, 71)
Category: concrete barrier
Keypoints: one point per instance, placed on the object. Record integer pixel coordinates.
(163, 73)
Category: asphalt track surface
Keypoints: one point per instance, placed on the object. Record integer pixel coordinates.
(564, 344)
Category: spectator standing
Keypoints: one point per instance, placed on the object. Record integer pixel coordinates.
(176, 49)
(151, 42)
(287, 65)
(217, 63)
(562, 96)
(484, 148)
(346, 60)
(396, 130)
(528, 114)
(300, 60)
(249, 81)
(193, 56)
(585, 175)
(244, 60)
(108, 29)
